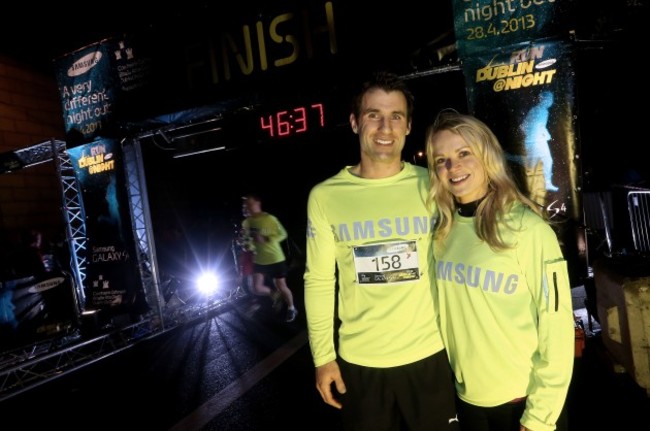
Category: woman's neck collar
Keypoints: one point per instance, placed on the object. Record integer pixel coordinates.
(468, 209)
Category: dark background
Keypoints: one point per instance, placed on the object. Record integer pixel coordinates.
(201, 195)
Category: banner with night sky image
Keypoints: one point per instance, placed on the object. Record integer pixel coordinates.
(113, 280)
(526, 94)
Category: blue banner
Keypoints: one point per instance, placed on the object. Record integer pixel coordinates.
(526, 94)
(113, 279)
(101, 84)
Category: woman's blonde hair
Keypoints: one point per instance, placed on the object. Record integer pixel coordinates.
(502, 192)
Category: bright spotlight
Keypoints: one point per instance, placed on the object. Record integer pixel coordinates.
(208, 283)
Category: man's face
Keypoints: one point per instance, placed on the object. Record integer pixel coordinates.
(251, 206)
(382, 125)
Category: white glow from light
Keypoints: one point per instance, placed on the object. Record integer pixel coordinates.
(207, 283)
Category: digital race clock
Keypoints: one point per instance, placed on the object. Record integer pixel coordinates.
(293, 121)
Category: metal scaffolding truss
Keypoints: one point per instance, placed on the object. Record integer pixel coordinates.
(31, 366)
(36, 363)
(55, 150)
(141, 222)
(75, 219)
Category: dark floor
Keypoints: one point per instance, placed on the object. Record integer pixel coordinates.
(603, 396)
(234, 370)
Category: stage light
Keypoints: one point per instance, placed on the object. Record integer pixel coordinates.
(208, 283)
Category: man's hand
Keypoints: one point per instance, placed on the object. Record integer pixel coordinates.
(325, 376)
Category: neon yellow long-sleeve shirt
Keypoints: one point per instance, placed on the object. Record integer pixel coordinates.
(376, 234)
(269, 226)
(507, 317)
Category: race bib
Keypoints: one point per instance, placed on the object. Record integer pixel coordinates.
(391, 262)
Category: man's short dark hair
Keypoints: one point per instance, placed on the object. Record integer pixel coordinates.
(388, 82)
(252, 195)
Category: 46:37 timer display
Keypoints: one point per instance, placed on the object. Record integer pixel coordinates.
(294, 121)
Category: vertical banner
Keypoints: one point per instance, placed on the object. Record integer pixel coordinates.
(519, 74)
(100, 85)
(520, 80)
(526, 95)
(113, 278)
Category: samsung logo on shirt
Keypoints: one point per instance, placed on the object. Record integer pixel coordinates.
(383, 228)
(472, 276)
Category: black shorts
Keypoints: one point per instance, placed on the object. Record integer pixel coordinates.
(419, 396)
(274, 270)
(503, 417)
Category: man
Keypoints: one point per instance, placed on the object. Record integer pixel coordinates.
(269, 260)
(370, 224)
(244, 252)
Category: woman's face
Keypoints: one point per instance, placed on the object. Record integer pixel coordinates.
(457, 167)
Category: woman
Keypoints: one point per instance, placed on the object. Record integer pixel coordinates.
(505, 298)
